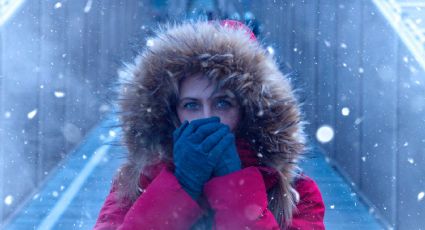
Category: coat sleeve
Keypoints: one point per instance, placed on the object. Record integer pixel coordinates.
(310, 209)
(163, 205)
(239, 200)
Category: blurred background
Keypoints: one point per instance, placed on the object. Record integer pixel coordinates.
(358, 65)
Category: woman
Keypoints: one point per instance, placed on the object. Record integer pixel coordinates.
(213, 132)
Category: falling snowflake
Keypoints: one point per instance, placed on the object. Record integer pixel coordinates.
(345, 111)
(332, 206)
(361, 70)
(7, 114)
(413, 69)
(358, 121)
(270, 50)
(325, 134)
(84, 156)
(364, 159)
(32, 114)
(149, 42)
(327, 159)
(260, 113)
(112, 133)
(8, 200)
(411, 160)
(59, 94)
(87, 8)
(58, 5)
(421, 196)
(55, 194)
(405, 59)
(35, 196)
(327, 43)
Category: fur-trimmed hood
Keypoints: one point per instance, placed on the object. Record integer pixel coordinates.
(271, 119)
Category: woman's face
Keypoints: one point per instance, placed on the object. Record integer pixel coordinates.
(197, 101)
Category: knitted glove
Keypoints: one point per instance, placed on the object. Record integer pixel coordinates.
(196, 152)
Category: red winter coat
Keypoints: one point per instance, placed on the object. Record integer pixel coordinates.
(238, 201)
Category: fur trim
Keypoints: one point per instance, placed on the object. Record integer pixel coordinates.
(271, 119)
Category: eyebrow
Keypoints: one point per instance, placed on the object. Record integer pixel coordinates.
(216, 96)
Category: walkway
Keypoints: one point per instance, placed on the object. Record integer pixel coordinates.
(72, 197)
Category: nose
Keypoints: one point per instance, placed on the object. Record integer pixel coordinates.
(206, 112)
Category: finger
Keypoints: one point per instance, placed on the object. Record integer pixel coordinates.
(213, 139)
(214, 143)
(193, 125)
(218, 150)
(204, 131)
(177, 133)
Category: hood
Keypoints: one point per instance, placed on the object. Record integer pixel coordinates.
(271, 120)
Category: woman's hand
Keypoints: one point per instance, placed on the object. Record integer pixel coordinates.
(198, 146)
(229, 161)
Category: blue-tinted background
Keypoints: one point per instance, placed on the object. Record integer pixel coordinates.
(358, 65)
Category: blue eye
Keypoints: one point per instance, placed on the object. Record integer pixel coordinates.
(223, 104)
(191, 106)
(219, 104)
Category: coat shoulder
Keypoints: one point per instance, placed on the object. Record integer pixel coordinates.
(304, 182)
(308, 189)
(310, 209)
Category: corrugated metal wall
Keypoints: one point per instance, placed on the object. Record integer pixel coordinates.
(344, 54)
(58, 62)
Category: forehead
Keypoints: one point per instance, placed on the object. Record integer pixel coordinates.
(198, 86)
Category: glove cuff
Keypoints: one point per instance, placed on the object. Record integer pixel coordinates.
(190, 187)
